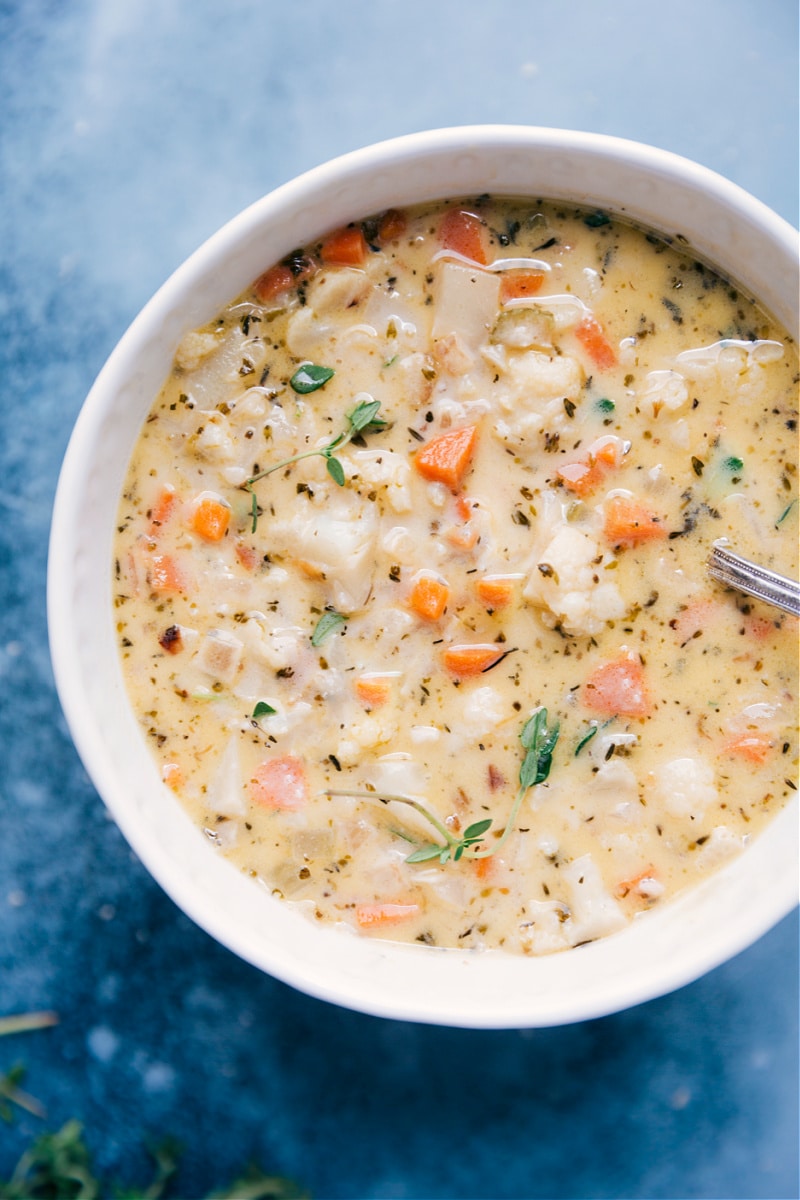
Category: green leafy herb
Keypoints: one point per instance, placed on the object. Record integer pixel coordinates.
(733, 463)
(785, 513)
(361, 421)
(262, 709)
(605, 405)
(596, 219)
(58, 1166)
(12, 1093)
(310, 377)
(325, 626)
(538, 740)
(449, 848)
(585, 739)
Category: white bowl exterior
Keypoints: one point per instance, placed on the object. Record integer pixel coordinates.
(663, 950)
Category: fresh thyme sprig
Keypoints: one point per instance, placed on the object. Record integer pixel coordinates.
(362, 420)
(538, 740)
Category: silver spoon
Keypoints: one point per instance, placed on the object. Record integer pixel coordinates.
(746, 576)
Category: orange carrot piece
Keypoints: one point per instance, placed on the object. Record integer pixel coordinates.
(345, 248)
(592, 337)
(210, 519)
(629, 522)
(376, 916)
(754, 747)
(164, 576)
(617, 688)
(625, 886)
(464, 661)
(494, 591)
(172, 775)
(165, 507)
(695, 618)
(274, 282)
(391, 225)
(516, 285)
(589, 471)
(462, 232)
(444, 459)
(279, 783)
(759, 628)
(429, 597)
(372, 690)
(248, 556)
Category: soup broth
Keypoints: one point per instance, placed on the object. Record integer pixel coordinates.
(410, 580)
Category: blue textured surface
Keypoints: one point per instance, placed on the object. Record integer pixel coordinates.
(129, 130)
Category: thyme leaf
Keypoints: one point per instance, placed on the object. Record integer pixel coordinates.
(325, 626)
(262, 709)
(361, 421)
(310, 377)
(449, 848)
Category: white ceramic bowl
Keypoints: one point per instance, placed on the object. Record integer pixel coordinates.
(666, 949)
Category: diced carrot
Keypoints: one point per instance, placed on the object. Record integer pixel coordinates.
(248, 556)
(274, 282)
(165, 507)
(625, 886)
(279, 783)
(391, 225)
(592, 337)
(754, 747)
(462, 537)
(164, 576)
(172, 775)
(464, 661)
(591, 469)
(483, 868)
(695, 618)
(617, 687)
(462, 232)
(494, 591)
(629, 522)
(373, 690)
(376, 916)
(345, 248)
(210, 518)
(516, 285)
(444, 459)
(759, 628)
(464, 508)
(429, 597)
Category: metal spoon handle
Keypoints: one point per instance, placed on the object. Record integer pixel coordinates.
(735, 571)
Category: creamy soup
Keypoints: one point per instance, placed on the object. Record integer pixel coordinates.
(410, 586)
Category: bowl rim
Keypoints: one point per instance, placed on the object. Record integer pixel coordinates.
(70, 563)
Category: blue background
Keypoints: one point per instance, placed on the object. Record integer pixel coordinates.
(129, 131)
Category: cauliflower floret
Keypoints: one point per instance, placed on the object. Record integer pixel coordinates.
(214, 442)
(337, 542)
(532, 375)
(483, 711)
(665, 389)
(545, 932)
(685, 786)
(194, 348)
(331, 299)
(593, 911)
(279, 648)
(566, 582)
(721, 845)
(387, 470)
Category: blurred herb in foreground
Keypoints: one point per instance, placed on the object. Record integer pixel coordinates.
(57, 1166)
